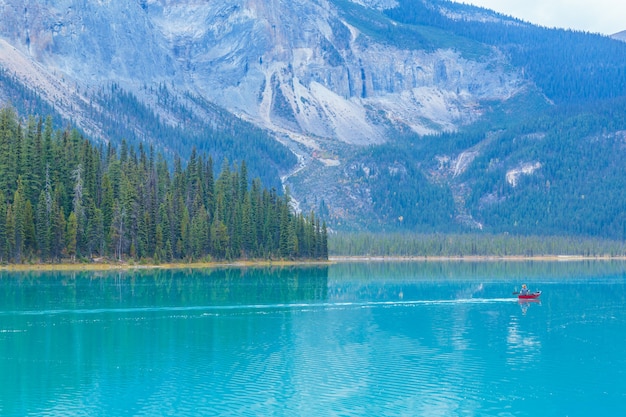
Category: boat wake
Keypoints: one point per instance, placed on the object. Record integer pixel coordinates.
(260, 307)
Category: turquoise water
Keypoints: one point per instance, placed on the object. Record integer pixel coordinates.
(380, 339)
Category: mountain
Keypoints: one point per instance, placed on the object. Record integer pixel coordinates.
(621, 36)
(379, 114)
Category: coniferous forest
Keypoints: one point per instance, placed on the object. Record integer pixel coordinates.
(63, 198)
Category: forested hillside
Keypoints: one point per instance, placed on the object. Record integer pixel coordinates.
(557, 173)
(218, 133)
(115, 114)
(61, 197)
(569, 66)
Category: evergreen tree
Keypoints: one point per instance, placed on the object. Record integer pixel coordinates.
(3, 228)
(219, 238)
(31, 164)
(324, 242)
(71, 235)
(106, 207)
(284, 242)
(292, 240)
(8, 133)
(68, 198)
(30, 243)
(78, 206)
(248, 238)
(10, 234)
(58, 230)
(199, 234)
(95, 233)
(19, 220)
(117, 232)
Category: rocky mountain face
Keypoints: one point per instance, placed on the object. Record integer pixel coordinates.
(299, 67)
(327, 78)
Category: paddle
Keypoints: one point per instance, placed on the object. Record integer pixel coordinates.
(516, 293)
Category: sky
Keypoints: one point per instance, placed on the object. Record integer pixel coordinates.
(597, 16)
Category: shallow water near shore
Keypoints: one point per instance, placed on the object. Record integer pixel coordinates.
(349, 339)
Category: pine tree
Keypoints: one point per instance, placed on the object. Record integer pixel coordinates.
(19, 222)
(31, 164)
(324, 242)
(69, 198)
(159, 247)
(142, 235)
(46, 152)
(30, 243)
(163, 226)
(292, 240)
(58, 230)
(78, 207)
(10, 233)
(3, 228)
(95, 233)
(284, 242)
(106, 207)
(209, 187)
(71, 235)
(248, 239)
(117, 232)
(8, 137)
(219, 238)
(184, 244)
(200, 233)
(243, 180)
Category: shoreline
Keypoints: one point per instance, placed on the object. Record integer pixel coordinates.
(476, 258)
(122, 266)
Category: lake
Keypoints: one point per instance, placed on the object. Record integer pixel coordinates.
(348, 339)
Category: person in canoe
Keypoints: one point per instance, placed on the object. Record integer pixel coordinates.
(524, 290)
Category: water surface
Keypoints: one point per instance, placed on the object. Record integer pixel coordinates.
(377, 339)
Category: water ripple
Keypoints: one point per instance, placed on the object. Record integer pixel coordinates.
(259, 307)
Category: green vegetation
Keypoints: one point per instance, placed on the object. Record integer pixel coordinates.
(63, 198)
(117, 113)
(459, 245)
(409, 36)
(576, 188)
(402, 195)
(219, 133)
(568, 66)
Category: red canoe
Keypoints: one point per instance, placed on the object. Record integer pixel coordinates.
(530, 296)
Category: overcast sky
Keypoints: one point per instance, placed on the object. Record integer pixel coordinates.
(598, 16)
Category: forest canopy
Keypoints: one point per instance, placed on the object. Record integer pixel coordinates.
(62, 197)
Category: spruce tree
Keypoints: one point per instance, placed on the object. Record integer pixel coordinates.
(71, 235)
(61, 197)
(19, 220)
(3, 228)
(8, 137)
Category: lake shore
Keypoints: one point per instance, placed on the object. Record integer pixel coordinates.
(114, 266)
(475, 258)
(106, 266)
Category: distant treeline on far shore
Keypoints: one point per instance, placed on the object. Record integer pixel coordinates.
(459, 245)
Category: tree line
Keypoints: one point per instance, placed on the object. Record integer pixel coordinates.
(62, 197)
(217, 132)
(118, 113)
(475, 244)
(579, 189)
